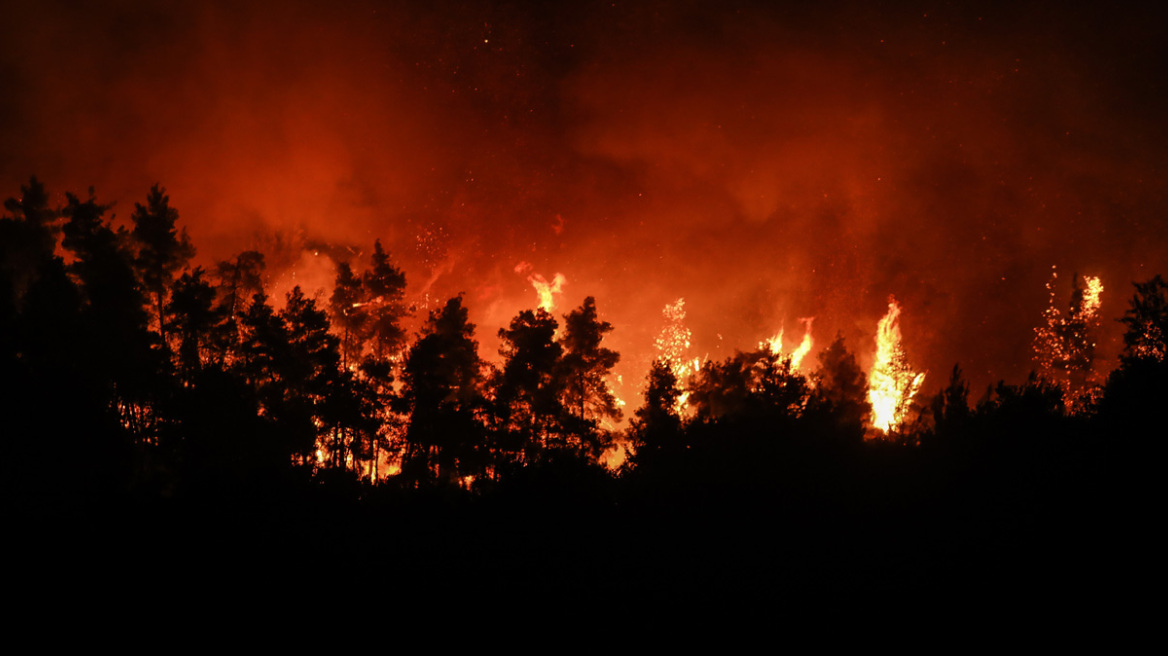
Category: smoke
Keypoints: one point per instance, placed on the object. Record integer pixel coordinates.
(766, 163)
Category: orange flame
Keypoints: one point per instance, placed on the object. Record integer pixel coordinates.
(546, 290)
(892, 384)
(615, 456)
(775, 344)
(1092, 297)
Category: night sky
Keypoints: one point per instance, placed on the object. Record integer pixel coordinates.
(765, 161)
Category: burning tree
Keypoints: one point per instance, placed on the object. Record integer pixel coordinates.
(368, 310)
(673, 342)
(775, 344)
(1064, 345)
(672, 348)
(892, 383)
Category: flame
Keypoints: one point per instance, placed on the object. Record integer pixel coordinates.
(615, 456)
(672, 344)
(546, 290)
(674, 339)
(1064, 346)
(1091, 297)
(775, 344)
(892, 384)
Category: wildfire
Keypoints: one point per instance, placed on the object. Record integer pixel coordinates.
(615, 456)
(674, 339)
(546, 290)
(775, 344)
(892, 383)
(1091, 296)
(672, 345)
(1064, 345)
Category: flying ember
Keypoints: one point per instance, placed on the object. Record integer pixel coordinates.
(1064, 345)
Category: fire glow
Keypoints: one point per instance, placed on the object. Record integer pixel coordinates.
(640, 157)
(775, 344)
(892, 383)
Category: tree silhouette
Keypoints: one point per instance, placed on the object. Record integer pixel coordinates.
(313, 381)
(1133, 405)
(121, 344)
(1147, 322)
(839, 400)
(27, 238)
(239, 280)
(585, 366)
(756, 386)
(443, 390)
(368, 309)
(348, 306)
(385, 287)
(27, 241)
(951, 412)
(162, 250)
(193, 317)
(529, 390)
(657, 426)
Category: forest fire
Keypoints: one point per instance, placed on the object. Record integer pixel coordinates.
(892, 383)
(1065, 344)
(775, 344)
(482, 297)
(672, 346)
(547, 290)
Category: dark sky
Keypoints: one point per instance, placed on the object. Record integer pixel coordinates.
(765, 161)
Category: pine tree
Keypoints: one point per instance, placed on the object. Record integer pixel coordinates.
(349, 307)
(530, 389)
(121, 350)
(162, 249)
(385, 288)
(193, 318)
(585, 368)
(1147, 322)
(839, 400)
(28, 238)
(238, 281)
(443, 390)
(657, 426)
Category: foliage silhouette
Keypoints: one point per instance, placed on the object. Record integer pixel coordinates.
(529, 389)
(838, 403)
(585, 366)
(443, 389)
(657, 429)
(161, 249)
